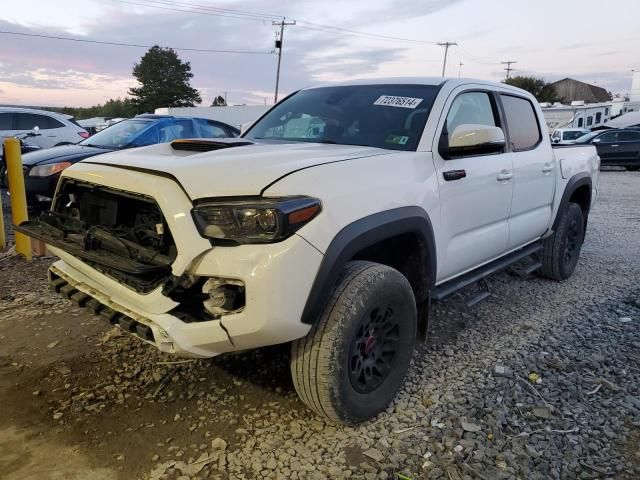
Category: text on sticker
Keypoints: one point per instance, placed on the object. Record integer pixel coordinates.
(393, 101)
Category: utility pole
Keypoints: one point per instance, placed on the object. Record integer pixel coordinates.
(508, 63)
(460, 68)
(279, 39)
(446, 46)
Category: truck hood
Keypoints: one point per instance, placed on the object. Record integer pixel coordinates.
(62, 153)
(240, 170)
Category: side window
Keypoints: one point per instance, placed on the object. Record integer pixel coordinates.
(470, 108)
(629, 136)
(148, 137)
(6, 121)
(209, 129)
(589, 121)
(49, 123)
(580, 122)
(524, 129)
(606, 111)
(598, 117)
(608, 137)
(26, 121)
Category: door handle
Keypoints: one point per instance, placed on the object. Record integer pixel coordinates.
(616, 145)
(451, 175)
(505, 175)
(547, 167)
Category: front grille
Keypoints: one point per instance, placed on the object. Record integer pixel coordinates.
(121, 234)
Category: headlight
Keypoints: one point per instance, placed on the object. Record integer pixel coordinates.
(253, 220)
(49, 169)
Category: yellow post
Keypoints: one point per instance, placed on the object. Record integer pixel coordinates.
(13, 159)
(3, 238)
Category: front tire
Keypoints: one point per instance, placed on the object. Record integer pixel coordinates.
(353, 360)
(560, 252)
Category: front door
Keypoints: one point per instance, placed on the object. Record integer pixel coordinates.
(607, 146)
(475, 191)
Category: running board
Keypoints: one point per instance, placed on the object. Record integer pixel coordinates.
(452, 286)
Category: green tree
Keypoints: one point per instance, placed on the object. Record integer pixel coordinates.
(540, 89)
(219, 101)
(164, 81)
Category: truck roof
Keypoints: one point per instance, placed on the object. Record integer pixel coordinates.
(409, 81)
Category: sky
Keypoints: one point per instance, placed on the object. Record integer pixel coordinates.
(589, 40)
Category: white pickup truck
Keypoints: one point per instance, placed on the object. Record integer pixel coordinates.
(332, 223)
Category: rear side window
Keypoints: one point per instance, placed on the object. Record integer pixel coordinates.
(210, 130)
(6, 121)
(524, 130)
(629, 136)
(26, 121)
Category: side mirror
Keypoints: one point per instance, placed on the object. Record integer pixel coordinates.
(474, 139)
(35, 131)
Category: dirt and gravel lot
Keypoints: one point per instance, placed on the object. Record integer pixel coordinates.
(80, 401)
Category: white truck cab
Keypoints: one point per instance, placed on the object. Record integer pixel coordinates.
(332, 223)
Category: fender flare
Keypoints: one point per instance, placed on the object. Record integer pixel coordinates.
(364, 233)
(578, 180)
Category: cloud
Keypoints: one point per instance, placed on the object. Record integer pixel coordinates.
(308, 57)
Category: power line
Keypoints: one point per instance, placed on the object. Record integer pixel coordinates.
(508, 63)
(99, 42)
(446, 46)
(245, 15)
(279, 44)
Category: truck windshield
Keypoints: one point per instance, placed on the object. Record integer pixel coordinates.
(383, 116)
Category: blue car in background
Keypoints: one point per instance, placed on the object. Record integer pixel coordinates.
(42, 168)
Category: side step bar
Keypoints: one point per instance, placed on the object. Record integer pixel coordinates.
(452, 286)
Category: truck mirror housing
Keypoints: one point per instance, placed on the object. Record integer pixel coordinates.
(474, 139)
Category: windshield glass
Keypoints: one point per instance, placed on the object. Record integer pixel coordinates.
(586, 138)
(573, 134)
(118, 135)
(383, 116)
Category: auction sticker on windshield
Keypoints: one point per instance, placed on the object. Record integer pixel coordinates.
(393, 101)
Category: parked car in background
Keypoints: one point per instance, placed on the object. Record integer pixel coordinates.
(43, 168)
(567, 136)
(53, 128)
(616, 147)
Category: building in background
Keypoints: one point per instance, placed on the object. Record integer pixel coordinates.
(569, 90)
(588, 106)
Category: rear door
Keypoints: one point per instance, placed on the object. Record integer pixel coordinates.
(607, 146)
(533, 165)
(475, 190)
(629, 146)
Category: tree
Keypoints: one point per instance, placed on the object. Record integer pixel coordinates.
(540, 89)
(164, 81)
(219, 101)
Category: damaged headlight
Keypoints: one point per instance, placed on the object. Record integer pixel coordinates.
(253, 220)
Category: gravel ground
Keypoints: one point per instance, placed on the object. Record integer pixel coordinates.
(540, 381)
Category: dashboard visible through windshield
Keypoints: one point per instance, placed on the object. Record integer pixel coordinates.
(383, 116)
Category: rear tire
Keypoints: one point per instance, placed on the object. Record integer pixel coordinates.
(635, 168)
(560, 252)
(353, 360)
